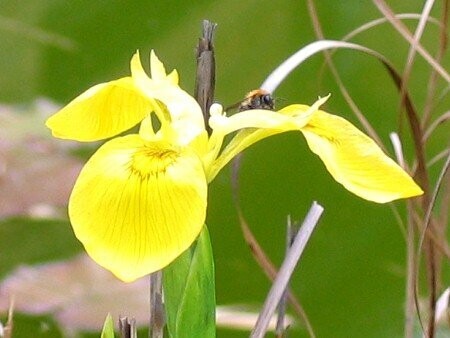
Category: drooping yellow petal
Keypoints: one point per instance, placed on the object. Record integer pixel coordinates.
(102, 111)
(355, 161)
(137, 205)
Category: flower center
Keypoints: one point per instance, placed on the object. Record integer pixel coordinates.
(153, 159)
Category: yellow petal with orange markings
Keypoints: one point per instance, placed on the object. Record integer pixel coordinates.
(102, 111)
(355, 160)
(137, 205)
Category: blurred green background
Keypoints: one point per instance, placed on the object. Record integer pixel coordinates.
(351, 279)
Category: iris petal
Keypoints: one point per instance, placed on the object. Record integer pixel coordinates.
(137, 205)
(102, 111)
(355, 161)
(186, 116)
(259, 124)
(158, 71)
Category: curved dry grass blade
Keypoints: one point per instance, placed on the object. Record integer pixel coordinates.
(441, 246)
(445, 202)
(432, 83)
(286, 270)
(282, 71)
(410, 258)
(412, 50)
(403, 30)
(397, 145)
(398, 150)
(398, 219)
(438, 157)
(272, 82)
(427, 222)
(382, 20)
(360, 30)
(411, 268)
(441, 119)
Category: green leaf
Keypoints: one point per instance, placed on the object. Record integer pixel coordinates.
(189, 291)
(108, 328)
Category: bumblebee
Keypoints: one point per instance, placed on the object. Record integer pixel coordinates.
(257, 99)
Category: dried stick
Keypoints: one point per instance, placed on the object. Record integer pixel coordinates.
(280, 327)
(286, 270)
(157, 318)
(127, 328)
(206, 70)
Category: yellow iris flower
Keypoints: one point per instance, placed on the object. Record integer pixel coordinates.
(140, 200)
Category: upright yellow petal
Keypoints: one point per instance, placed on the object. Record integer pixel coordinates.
(186, 116)
(137, 71)
(158, 71)
(137, 205)
(355, 161)
(102, 111)
(173, 77)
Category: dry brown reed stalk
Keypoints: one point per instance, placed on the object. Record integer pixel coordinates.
(421, 223)
(428, 223)
(432, 229)
(205, 80)
(412, 50)
(403, 30)
(410, 250)
(127, 328)
(432, 82)
(157, 316)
